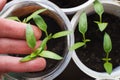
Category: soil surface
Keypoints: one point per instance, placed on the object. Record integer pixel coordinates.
(68, 3)
(92, 55)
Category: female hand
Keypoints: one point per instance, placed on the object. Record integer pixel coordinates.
(12, 41)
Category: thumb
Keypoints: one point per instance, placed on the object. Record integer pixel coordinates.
(2, 3)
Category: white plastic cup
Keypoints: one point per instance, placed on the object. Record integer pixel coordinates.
(59, 15)
(112, 8)
(75, 9)
(117, 1)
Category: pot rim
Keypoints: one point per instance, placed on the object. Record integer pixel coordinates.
(75, 9)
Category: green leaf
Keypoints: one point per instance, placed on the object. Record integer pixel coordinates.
(33, 54)
(40, 23)
(108, 67)
(27, 58)
(34, 14)
(14, 18)
(107, 44)
(87, 40)
(44, 42)
(51, 55)
(106, 59)
(30, 38)
(24, 20)
(36, 52)
(102, 26)
(77, 45)
(61, 34)
(83, 23)
(98, 7)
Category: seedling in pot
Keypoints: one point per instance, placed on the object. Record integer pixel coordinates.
(82, 27)
(31, 41)
(107, 45)
(98, 7)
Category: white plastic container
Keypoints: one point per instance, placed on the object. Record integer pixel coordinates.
(75, 9)
(59, 15)
(112, 8)
(117, 1)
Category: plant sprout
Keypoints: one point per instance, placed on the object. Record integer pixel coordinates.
(98, 7)
(107, 45)
(31, 41)
(82, 27)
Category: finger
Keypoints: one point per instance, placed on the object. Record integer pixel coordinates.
(12, 46)
(13, 29)
(2, 3)
(13, 64)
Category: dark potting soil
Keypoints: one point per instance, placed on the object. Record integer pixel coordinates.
(9, 0)
(70, 16)
(68, 3)
(92, 55)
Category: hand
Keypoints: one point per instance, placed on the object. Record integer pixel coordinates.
(12, 41)
(2, 3)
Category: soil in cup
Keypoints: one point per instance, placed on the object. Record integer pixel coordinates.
(92, 55)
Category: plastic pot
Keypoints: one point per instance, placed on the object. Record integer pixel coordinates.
(111, 8)
(57, 14)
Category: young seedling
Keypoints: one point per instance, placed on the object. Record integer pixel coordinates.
(82, 27)
(98, 7)
(107, 44)
(31, 41)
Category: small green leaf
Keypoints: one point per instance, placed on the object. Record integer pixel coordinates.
(98, 7)
(44, 42)
(108, 67)
(33, 54)
(77, 45)
(40, 23)
(87, 40)
(107, 44)
(61, 34)
(83, 23)
(102, 26)
(34, 14)
(24, 20)
(51, 55)
(30, 38)
(27, 58)
(36, 52)
(106, 59)
(14, 18)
